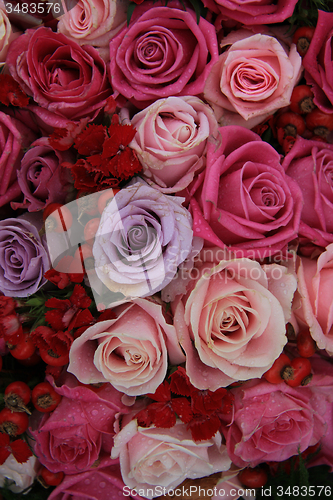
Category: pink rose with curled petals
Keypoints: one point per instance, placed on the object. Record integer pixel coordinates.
(273, 422)
(251, 12)
(318, 62)
(244, 199)
(163, 52)
(131, 352)
(230, 322)
(310, 164)
(171, 141)
(72, 437)
(312, 306)
(252, 79)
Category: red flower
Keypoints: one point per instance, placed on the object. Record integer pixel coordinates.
(18, 448)
(67, 313)
(11, 92)
(59, 342)
(7, 306)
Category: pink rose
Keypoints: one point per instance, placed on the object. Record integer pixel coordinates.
(310, 164)
(163, 52)
(7, 33)
(14, 137)
(253, 11)
(93, 22)
(243, 198)
(318, 62)
(71, 438)
(102, 482)
(171, 141)
(272, 422)
(313, 304)
(229, 323)
(67, 80)
(131, 352)
(153, 458)
(252, 79)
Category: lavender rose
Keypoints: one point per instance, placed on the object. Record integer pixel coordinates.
(163, 52)
(23, 258)
(142, 238)
(66, 79)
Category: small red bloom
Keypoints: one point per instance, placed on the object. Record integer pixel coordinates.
(18, 448)
(11, 92)
(90, 140)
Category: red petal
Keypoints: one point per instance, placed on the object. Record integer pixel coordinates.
(180, 383)
(183, 409)
(79, 298)
(20, 450)
(162, 393)
(90, 140)
(204, 428)
(4, 439)
(54, 318)
(143, 418)
(4, 454)
(82, 318)
(162, 415)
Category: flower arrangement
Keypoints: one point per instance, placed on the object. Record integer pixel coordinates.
(166, 249)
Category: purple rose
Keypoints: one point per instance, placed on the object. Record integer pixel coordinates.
(23, 257)
(68, 80)
(251, 12)
(142, 238)
(318, 62)
(41, 177)
(14, 136)
(163, 52)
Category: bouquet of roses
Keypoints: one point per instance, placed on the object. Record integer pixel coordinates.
(166, 249)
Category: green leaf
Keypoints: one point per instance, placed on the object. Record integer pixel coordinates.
(130, 10)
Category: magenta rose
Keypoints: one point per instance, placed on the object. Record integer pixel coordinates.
(103, 481)
(131, 352)
(163, 52)
(71, 438)
(251, 12)
(253, 78)
(42, 178)
(243, 199)
(318, 62)
(272, 422)
(62, 77)
(312, 306)
(310, 164)
(14, 137)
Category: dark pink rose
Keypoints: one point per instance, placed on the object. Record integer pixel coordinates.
(62, 77)
(251, 11)
(71, 438)
(14, 137)
(163, 52)
(318, 62)
(244, 199)
(273, 422)
(103, 482)
(310, 164)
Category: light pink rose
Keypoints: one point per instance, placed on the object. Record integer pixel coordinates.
(252, 79)
(80, 429)
(253, 11)
(93, 22)
(171, 141)
(243, 198)
(8, 33)
(164, 51)
(229, 323)
(156, 457)
(313, 304)
(272, 422)
(310, 164)
(131, 352)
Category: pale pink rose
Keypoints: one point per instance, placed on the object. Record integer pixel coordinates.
(229, 324)
(8, 33)
(164, 51)
(18, 476)
(93, 22)
(152, 458)
(252, 79)
(272, 422)
(131, 352)
(313, 304)
(171, 141)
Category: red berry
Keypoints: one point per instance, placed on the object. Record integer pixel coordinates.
(51, 478)
(280, 369)
(17, 396)
(302, 38)
(53, 359)
(320, 123)
(24, 349)
(44, 398)
(13, 423)
(305, 344)
(253, 477)
(90, 230)
(57, 218)
(301, 372)
(291, 123)
(301, 100)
